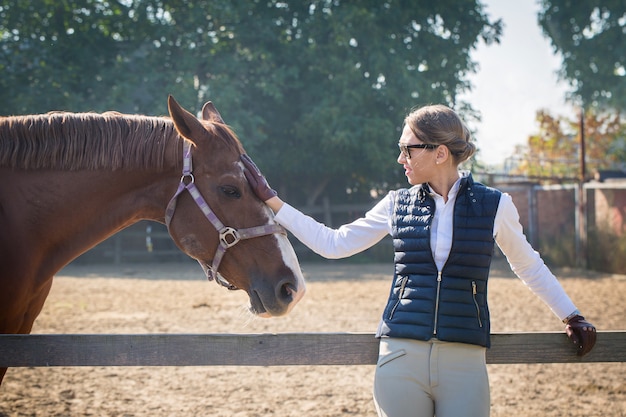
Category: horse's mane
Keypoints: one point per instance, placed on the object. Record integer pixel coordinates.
(75, 141)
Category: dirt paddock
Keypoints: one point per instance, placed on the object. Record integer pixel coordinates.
(174, 298)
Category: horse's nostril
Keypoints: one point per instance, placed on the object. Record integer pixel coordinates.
(286, 290)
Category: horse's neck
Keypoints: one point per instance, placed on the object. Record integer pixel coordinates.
(66, 213)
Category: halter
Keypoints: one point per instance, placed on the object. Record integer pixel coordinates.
(228, 236)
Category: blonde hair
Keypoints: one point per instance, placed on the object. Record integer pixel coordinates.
(440, 125)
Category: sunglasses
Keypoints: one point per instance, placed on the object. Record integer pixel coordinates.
(405, 149)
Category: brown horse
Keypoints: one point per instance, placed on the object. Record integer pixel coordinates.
(70, 180)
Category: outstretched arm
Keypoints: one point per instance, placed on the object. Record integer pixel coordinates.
(530, 268)
(345, 241)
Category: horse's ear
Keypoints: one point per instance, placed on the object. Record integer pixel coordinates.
(210, 113)
(186, 123)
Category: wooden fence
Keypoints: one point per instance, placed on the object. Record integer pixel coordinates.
(283, 349)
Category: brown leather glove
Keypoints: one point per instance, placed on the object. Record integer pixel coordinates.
(256, 179)
(581, 333)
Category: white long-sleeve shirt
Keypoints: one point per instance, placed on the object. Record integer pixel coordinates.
(365, 232)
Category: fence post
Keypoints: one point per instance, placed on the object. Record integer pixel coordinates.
(581, 226)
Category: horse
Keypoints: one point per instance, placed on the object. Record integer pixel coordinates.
(71, 180)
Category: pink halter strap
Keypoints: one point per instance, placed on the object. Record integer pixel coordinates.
(228, 236)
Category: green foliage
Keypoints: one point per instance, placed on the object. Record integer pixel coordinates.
(591, 37)
(67, 55)
(554, 152)
(316, 90)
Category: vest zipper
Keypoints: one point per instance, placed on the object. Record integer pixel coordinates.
(480, 323)
(437, 302)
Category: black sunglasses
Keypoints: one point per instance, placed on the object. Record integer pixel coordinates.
(405, 148)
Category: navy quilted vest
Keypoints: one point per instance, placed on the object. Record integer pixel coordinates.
(450, 304)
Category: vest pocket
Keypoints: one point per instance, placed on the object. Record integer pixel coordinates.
(400, 295)
(474, 292)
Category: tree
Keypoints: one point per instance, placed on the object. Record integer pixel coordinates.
(315, 89)
(322, 86)
(554, 152)
(591, 37)
(80, 55)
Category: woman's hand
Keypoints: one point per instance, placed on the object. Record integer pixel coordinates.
(256, 179)
(581, 333)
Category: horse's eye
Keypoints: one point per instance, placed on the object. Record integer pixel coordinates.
(230, 191)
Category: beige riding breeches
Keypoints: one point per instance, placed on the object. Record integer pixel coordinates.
(424, 379)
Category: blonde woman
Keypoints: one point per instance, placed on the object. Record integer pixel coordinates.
(435, 328)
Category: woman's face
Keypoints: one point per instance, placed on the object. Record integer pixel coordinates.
(419, 165)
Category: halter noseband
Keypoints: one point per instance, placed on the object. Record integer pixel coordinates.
(228, 236)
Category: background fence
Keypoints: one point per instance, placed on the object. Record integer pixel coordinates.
(568, 224)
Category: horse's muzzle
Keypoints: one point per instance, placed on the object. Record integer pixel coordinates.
(266, 301)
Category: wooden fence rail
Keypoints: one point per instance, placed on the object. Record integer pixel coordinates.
(271, 349)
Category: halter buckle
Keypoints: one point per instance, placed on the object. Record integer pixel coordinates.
(229, 237)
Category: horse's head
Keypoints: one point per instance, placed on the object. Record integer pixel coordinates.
(222, 224)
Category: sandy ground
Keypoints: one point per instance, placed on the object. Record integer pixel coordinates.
(174, 298)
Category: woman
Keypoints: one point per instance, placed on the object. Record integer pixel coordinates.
(435, 327)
